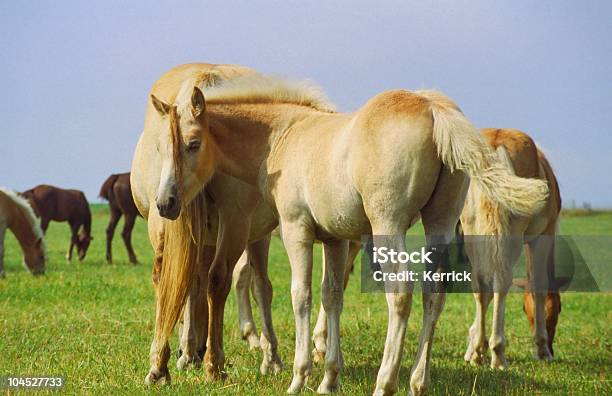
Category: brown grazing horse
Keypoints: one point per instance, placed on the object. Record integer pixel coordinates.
(117, 191)
(57, 204)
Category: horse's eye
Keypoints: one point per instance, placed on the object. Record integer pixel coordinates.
(193, 145)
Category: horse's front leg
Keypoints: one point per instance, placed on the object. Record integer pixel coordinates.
(159, 355)
(242, 282)
(262, 289)
(194, 329)
(71, 247)
(298, 243)
(231, 242)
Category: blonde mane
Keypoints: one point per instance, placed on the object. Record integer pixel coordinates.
(256, 88)
(27, 210)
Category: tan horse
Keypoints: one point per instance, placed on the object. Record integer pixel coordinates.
(402, 156)
(184, 240)
(493, 241)
(17, 215)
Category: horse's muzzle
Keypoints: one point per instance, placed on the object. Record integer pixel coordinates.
(170, 209)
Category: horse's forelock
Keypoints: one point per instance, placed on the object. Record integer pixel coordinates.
(177, 152)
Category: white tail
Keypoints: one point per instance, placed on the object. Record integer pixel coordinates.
(460, 146)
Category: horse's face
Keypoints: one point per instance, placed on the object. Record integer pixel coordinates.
(552, 307)
(35, 258)
(82, 244)
(185, 153)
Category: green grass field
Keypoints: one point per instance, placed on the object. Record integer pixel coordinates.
(92, 323)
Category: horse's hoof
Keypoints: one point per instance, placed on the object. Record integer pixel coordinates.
(213, 374)
(156, 377)
(499, 363)
(477, 359)
(188, 363)
(543, 354)
(325, 388)
(253, 341)
(296, 384)
(2, 275)
(318, 356)
(274, 366)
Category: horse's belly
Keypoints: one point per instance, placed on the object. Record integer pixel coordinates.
(340, 217)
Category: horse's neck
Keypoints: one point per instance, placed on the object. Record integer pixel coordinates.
(244, 134)
(22, 228)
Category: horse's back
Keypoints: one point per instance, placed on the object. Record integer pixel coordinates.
(57, 203)
(520, 147)
(530, 162)
(122, 193)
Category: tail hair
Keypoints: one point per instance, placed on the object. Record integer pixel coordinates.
(183, 251)
(105, 190)
(461, 147)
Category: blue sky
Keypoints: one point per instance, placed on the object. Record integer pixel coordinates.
(75, 75)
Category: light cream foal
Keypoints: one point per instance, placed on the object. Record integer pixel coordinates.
(401, 156)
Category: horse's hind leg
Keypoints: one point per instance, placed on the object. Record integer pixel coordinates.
(262, 290)
(242, 282)
(539, 251)
(440, 216)
(126, 234)
(332, 293)
(477, 344)
(2, 233)
(319, 335)
(115, 215)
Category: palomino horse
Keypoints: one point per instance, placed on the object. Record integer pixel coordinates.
(493, 239)
(182, 240)
(492, 224)
(402, 156)
(54, 203)
(17, 215)
(117, 191)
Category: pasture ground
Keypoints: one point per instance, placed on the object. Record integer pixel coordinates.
(92, 323)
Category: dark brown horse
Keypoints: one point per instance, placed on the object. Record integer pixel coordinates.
(57, 204)
(116, 190)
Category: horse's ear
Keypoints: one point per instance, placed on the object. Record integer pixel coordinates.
(162, 107)
(520, 282)
(198, 103)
